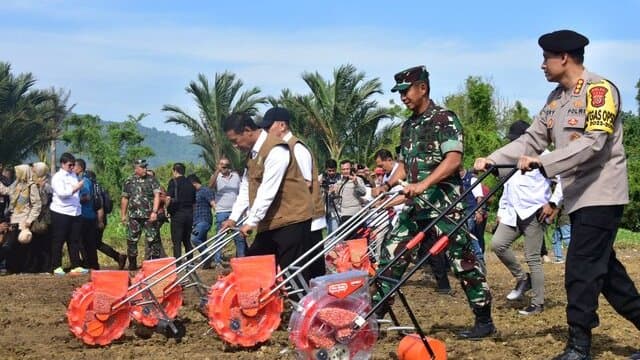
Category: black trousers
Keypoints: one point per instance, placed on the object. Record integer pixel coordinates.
(13, 252)
(90, 243)
(592, 268)
(65, 228)
(39, 257)
(317, 267)
(106, 248)
(181, 224)
(287, 243)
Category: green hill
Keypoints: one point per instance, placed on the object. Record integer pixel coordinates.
(167, 146)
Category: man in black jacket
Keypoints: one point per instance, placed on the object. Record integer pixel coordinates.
(181, 195)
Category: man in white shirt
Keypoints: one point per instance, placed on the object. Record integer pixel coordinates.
(66, 223)
(524, 209)
(276, 122)
(273, 192)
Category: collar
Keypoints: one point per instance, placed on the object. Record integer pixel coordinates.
(287, 136)
(256, 147)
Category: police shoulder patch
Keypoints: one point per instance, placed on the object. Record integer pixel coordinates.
(601, 109)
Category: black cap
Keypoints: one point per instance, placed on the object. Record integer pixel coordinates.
(516, 129)
(272, 115)
(141, 163)
(563, 41)
(405, 78)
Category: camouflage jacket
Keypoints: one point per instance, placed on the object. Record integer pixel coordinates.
(424, 141)
(140, 192)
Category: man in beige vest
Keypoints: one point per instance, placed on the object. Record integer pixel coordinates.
(582, 119)
(273, 191)
(276, 122)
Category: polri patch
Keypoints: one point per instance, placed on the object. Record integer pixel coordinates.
(601, 109)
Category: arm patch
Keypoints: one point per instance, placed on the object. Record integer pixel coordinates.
(601, 109)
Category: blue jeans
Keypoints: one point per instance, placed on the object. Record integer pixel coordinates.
(474, 243)
(241, 243)
(332, 224)
(199, 235)
(559, 234)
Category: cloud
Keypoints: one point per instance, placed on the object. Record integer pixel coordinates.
(136, 68)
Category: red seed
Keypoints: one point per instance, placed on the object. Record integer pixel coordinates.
(337, 317)
(320, 339)
(249, 299)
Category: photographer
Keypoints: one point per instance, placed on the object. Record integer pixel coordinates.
(327, 180)
(348, 192)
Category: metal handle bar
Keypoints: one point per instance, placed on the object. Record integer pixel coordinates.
(223, 235)
(331, 244)
(435, 249)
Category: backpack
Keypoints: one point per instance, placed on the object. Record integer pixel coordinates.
(96, 198)
(107, 203)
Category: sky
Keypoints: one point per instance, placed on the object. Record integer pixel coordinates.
(130, 57)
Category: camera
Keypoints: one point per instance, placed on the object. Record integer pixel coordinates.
(327, 181)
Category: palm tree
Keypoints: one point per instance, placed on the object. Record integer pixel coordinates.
(55, 110)
(341, 112)
(23, 114)
(214, 104)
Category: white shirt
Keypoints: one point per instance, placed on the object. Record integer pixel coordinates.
(397, 208)
(64, 200)
(275, 167)
(305, 163)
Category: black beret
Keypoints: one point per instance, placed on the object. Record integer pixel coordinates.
(562, 41)
(274, 114)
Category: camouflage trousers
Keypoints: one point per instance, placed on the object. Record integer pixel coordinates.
(135, 229)
(465, 266)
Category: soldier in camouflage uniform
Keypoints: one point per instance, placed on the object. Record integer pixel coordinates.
(431, 149)
(139, 211)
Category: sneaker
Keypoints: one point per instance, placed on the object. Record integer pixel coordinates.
(546, 259)
(635, 356)
(531, 310)
(59, 271)
(558, 261)
(78, 271)
(522, 286)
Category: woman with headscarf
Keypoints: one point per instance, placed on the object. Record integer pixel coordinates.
(39, 257)
(25, 207)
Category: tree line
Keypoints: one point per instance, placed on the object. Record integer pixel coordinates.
(337, 118)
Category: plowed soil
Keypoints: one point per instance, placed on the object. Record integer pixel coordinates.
(33, 323)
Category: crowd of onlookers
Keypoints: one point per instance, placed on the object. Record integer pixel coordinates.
(39, 213)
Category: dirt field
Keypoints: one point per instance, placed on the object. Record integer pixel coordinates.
(33, 324)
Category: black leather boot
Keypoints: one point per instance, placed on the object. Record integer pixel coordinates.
(578, 345)
(133, 263)
(483, 326)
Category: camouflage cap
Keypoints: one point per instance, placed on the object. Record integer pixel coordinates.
(140, 162)
(405, 78)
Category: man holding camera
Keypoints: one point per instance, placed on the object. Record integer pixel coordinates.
(348, 192)
(328, 179)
